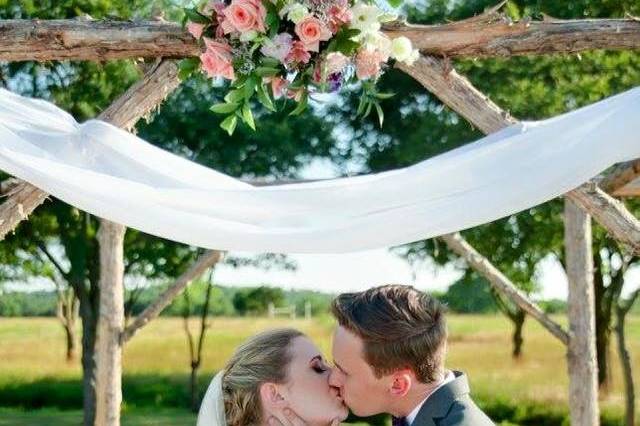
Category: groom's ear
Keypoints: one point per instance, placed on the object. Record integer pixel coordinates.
(401, 382)
(270, 395)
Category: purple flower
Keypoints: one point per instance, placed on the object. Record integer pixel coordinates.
(335, 82)
(279, 47)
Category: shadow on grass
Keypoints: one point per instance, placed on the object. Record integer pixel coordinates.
(154, 394)
(49, 417)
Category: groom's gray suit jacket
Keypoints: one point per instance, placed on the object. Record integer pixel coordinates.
(451, 405)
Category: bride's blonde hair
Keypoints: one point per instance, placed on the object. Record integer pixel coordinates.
(263, 358)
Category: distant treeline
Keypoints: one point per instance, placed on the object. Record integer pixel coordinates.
(465, 296)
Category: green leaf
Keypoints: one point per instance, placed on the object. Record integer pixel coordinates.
(229, 124)
(224, 108)
(247, 116)
(347, 46)
(361, 106)
(270, 62)
(350, 32)
(234, 96)
(395, 3)
(187, 67)
(266, 71)
(197, 17)
(264, 98)
(380, 113)
(384, 95)
(250, 87)
(368, 110)
(302, 105)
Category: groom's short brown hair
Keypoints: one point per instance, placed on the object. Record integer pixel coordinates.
(400, 327)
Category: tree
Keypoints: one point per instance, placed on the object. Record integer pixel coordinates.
(622, 309)
(471, 294)
(196, 346)
(256, 300)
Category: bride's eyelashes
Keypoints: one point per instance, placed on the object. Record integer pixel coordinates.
(319, 367)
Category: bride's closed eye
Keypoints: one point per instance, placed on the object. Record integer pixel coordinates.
(319, 366)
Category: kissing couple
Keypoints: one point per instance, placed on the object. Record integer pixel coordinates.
(389, 352)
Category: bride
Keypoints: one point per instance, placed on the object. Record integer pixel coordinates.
(273, 371)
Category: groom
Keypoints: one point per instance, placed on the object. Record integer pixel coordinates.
(389, 352)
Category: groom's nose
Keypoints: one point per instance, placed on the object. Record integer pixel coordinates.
(335, 378)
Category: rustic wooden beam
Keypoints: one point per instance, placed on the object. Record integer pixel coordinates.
(581, 351)
(621, 180)
(73, 39)
(487, 35)
(138, 101)
(632, 189)
(439, 78)
(502, 284)
(207, 260)
(498, 36)
(610, 213)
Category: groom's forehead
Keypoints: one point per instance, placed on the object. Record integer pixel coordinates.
(344, 340)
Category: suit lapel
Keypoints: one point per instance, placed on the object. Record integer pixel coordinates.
(438, 404)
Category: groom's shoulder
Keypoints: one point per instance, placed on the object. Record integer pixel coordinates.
(451, 405)
(464, 412)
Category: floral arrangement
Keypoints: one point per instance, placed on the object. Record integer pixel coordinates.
(291, 49)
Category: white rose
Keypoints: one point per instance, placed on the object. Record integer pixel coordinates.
(402, 50)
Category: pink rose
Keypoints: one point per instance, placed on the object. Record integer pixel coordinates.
(368, 63)
(339, 16)
(311, 32)
(195, 29)
(298, 53)
(216, 60)
(245, 15)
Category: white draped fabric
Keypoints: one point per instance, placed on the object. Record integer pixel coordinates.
(115, 175)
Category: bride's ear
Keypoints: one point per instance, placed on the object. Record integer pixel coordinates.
(271, 396)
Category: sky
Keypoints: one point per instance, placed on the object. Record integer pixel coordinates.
(337, 273)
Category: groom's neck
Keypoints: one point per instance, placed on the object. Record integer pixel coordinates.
(418, 393)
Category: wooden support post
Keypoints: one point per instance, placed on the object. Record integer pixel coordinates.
(581, 353)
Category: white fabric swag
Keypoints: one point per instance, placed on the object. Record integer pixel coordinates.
(115, 175)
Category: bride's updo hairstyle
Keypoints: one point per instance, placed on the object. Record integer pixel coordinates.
(264, 358)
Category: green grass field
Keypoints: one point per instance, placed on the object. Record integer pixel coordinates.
(156, 365)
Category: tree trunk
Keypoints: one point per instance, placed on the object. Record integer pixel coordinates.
(518, 323)
(625, 361)
(603, 331)
(581, 354)
(71, 342)
(89, 326)
(195, 395)
(68, 315)
(110, 324)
